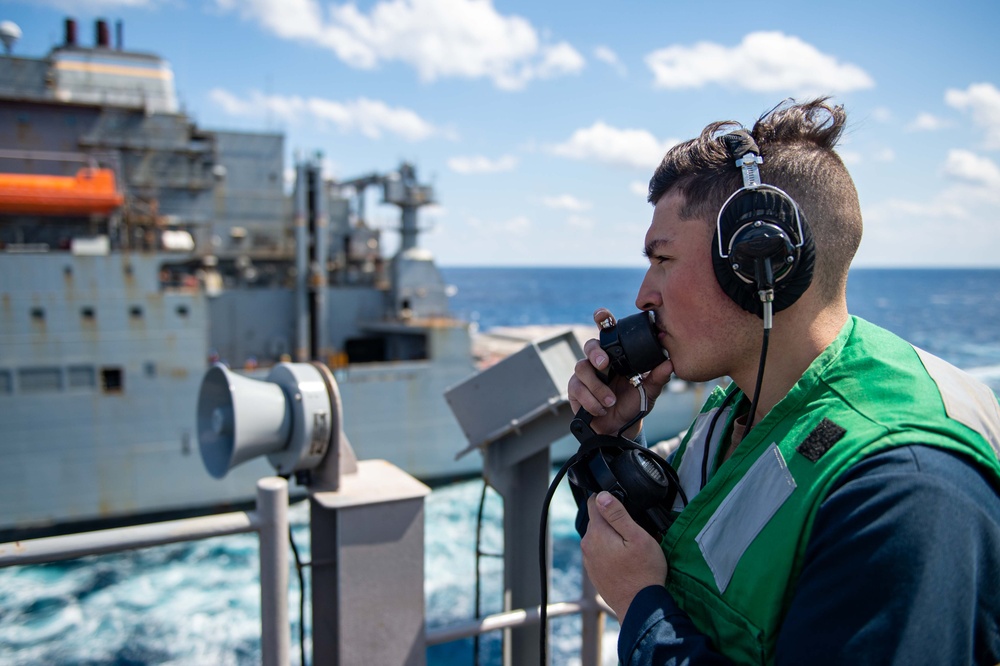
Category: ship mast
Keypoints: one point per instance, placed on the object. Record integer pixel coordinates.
(402, 189)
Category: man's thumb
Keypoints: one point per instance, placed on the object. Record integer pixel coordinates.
(613, 511)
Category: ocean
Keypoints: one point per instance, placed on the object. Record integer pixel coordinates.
(198, 603)
(952, 313)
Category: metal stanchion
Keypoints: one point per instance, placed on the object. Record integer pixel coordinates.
(272, 509)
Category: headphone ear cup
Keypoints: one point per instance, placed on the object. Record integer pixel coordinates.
(642, 476)
(772, 207)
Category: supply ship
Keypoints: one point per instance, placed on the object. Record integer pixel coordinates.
(137, 249)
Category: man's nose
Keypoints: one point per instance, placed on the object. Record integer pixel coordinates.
(648, 297)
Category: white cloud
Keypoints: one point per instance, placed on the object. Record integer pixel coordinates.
(438, 38)
(972, 168)
(479, 164)
(926, 122)
(610, 145)
(559, 60)
(850, 156)
(908, 231)
(519, 225)
(91, 6)
(938, 208)
(885, 155)
(370, 118)
(566, 202)
(882, 114)
(639, 187)
(983, 100)
(606, 55)
(580, 223)
(762, 62)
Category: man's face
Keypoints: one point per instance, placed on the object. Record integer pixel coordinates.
(704, 331)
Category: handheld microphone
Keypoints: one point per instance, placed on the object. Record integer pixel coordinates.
(644, 482)
(632, 344)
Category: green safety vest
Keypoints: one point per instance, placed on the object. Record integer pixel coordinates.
(736, 550)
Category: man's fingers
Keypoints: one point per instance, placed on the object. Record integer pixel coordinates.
(609, 506)
(658, 377)
(600, 314)
(595, 354)
(586, 388)
(614, 513)
(581, 396)
(602, 395)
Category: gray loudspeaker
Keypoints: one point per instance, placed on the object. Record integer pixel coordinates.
(291, 417)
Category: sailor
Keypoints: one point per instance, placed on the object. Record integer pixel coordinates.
(841, 496)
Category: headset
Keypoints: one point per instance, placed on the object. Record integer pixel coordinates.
(762, 252)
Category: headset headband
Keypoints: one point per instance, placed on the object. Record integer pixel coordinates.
(763, 248)
(742, 147)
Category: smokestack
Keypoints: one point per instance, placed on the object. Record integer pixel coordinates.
(70, 32)
(118, 35)
(102, 33)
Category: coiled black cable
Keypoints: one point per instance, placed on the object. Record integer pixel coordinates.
(302, 595)
(479, 555)
(543, 560)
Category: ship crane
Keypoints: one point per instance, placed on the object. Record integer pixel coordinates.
(399, 188)
(403, 190)
(415, 290)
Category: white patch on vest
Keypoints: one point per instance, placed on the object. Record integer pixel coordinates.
(689, 471)
(744, 513)
(966, 399)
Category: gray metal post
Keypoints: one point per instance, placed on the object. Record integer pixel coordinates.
(519, 468)
(522, 485)
(321, 252)
(368, 569)
(302, 326)
(513, 411)
(592, 625)
(272, 508)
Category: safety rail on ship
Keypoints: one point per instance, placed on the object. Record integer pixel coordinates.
(270, 522)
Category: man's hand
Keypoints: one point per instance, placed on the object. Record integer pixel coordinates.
(621, 558)
(615, 404)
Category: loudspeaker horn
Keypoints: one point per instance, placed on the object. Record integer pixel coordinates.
(239, 418)
(292, 417)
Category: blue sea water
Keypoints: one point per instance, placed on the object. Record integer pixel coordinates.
(198, 603)
(953, 313)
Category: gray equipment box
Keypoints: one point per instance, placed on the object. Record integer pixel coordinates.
(506, 396)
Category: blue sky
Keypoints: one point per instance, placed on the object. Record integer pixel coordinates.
(539, 123)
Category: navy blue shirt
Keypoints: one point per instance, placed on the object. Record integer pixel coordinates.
(903, 567)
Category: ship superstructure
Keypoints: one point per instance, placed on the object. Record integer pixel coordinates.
(137, 248)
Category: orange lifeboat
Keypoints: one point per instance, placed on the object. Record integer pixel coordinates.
(90, 191)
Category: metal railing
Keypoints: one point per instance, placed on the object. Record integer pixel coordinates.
(270, 521)
(590, 606)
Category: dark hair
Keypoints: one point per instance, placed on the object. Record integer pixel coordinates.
(797, 144)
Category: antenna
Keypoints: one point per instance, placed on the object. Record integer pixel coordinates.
(9, 34)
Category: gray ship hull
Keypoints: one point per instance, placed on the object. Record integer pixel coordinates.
(99, 377)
